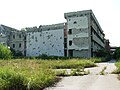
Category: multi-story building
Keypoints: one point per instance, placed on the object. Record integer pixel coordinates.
(13, 38)
(5, 34)
(80, 36)
(85, 35)
(48, 39)
(18, 41)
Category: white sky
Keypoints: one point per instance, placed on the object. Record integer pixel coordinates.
(28, 13)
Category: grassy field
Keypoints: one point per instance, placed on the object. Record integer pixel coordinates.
(27, 74)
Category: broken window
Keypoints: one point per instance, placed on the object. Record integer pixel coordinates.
(13, 36)
(70, 53)
(81, 15)
(65, 40)
(70, 31)
(13, 45)
(70, 43)
(25, 37)
(65, 45)
(20, 36)
(19, 45)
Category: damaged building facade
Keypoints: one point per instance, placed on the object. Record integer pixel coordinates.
(80, 36)
(48, 40)
(13, 38)
(85, 35)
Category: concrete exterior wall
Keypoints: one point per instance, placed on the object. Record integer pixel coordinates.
(82, 53)
(49, 41)
(85, 35)
(13, 36)
(79, 35)
(77, 22)
(3, 39)
(17, 41)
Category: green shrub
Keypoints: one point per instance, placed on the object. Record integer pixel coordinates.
(5, 52)
(117, 71)
(117, 53)
(105, 55)
(42, 79)
(10, 80)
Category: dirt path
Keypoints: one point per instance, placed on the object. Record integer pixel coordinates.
(93, 81)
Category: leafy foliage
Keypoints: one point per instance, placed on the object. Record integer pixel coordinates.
(117, 71)
(5, 52)
(117, 53)
(105, 55)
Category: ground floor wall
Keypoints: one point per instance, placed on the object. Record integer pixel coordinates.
(82, 53)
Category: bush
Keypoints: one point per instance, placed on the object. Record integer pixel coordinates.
(105, 55)
(117, 53)
(117, 70)
(10, 80)
(5, 52)
(16, 54)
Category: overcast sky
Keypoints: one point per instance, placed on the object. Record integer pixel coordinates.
(28, 13)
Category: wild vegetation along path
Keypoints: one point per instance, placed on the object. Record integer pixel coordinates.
(93, 81)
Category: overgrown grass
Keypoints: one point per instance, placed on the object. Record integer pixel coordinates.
(98, 60)
(102, 72)
(117, 71)
(25, 74)
(68, 64)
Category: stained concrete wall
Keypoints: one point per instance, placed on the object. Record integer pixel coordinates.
(3, 39)
(81, 53)
(77, 22)
(49, 42)
(79, 35)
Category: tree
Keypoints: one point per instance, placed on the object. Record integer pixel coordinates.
(5, 52)
(117, 53)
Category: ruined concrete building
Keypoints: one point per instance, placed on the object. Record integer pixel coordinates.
(13, 38)
(80, 36)
(85, 35)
